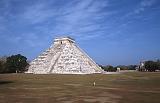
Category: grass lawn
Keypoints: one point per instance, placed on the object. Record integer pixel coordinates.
(134, 87)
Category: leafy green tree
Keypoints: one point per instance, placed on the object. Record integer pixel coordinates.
(151, 66)
(109, 68)
(16, 63)
(123, 67)
(132, 67)
(158, 63)
(2, 64)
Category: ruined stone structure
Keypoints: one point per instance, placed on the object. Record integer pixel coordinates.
(142, 66)
(63, 57)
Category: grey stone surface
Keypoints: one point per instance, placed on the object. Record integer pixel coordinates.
(63, 57)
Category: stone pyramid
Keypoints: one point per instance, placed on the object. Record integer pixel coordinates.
(63, 57)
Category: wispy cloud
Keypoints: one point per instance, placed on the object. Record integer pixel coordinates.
(135, 13)
(141, 7)
(76, 18)
(81, 19)
(33, 40)
(144, 5)
(31, 25)
(37, 13)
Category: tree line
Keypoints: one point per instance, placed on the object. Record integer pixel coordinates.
(18, 64)
(13, 64)
(150, 66)
(110, 68)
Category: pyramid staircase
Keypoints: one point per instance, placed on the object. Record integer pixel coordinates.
(64, 57)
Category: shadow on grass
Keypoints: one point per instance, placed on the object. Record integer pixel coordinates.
(5, 82)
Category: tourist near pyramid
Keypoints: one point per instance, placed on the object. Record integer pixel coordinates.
(63, 57)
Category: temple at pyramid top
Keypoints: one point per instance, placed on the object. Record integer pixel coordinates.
(63, 57)
(61, 40)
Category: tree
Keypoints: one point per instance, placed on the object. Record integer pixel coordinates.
(132, 67)
(1, 67)
(109, 68)
(123, 67)
(16, 63)
(2, 64)
(158, 63)
(151, 66)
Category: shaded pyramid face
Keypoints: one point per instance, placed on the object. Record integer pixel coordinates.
(64, 57)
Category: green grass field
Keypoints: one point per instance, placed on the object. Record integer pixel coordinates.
(136, 87)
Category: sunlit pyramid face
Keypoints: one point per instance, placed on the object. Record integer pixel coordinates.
(64, 57)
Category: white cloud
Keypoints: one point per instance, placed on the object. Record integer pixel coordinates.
(33, 39)
(81, 18)
(136, 13)
(37, 13)
(143, 5)
(88, 37)
(75, 18)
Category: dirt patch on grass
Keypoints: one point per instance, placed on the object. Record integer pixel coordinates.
(75, 85)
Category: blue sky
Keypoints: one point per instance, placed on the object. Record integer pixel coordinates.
(115, 32)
